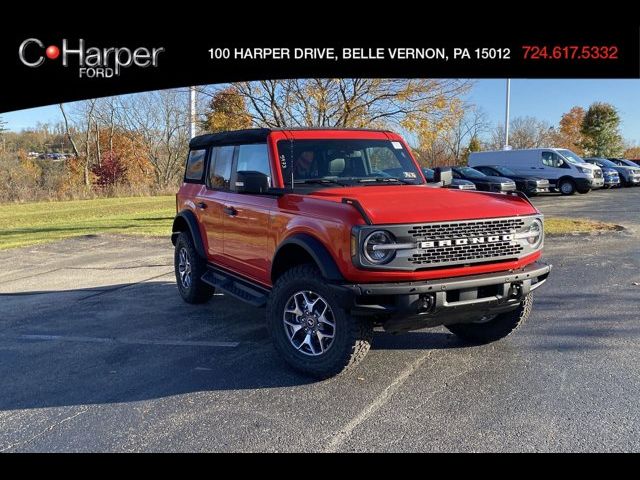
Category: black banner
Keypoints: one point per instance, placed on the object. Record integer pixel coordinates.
(44, 66)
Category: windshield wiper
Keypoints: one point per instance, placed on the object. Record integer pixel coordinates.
(384, 180)
(322, 181)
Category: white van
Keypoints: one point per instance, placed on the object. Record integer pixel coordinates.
(565, 170)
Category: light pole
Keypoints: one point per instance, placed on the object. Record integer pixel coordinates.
(192, 111)
(506, 116)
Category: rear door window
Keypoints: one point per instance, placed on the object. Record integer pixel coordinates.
(220, 170)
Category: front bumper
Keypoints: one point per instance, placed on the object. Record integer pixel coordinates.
(634, 179)
(596, 182)
(611, 181)
(536, 189)
(414, 305)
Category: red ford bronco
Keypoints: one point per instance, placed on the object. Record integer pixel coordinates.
(336, 231)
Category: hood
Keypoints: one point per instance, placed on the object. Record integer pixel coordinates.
(460, 181)
(589, 166)
(527, 177)
(419, 203)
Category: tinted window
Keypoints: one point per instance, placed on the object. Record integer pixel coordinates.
(195, 165)
(552, 159)
(220, 171)
(471, 172)
(507, 172)
(254, 158)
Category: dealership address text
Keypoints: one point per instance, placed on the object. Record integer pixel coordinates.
(357, 53)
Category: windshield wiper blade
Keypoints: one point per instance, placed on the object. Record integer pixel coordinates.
(384, 180)
(322, 181)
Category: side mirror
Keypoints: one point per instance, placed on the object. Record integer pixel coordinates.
(248, 181)
(443, 175)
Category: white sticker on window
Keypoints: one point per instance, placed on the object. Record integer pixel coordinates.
(397, 145)
(409, 175)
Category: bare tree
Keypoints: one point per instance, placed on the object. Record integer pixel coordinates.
(410, 104)
(68, 132)
(472, 124)
(524, 132)
(84, 115)
(159, 119)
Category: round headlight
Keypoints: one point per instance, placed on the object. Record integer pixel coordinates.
(374, 247)
(535, 232)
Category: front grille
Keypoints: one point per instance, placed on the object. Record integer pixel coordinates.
(445, 231)
(470, 253)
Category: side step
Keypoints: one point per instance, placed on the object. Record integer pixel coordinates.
(236, 287)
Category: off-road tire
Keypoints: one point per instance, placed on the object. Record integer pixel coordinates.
(197, 291)
(501, 326)
(353, 334)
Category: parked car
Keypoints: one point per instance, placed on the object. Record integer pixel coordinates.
(484, 182)
(565, 170)
(456, 183)
(611, 177)
(528, 184)
(625, 162)
(626, 175)
(312, 224)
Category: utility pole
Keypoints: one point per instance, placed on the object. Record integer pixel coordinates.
(506, 116)
(192, 111)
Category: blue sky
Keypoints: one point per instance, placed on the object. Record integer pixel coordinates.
(544, 99)
(549, 99)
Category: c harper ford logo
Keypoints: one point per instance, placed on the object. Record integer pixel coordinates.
(92, 62)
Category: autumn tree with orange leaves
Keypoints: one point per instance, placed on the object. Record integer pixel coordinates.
(568, 134)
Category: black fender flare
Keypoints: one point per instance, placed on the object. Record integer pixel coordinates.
(190, 219)
(317, 251)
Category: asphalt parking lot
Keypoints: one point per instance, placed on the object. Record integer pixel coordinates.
(98, 352)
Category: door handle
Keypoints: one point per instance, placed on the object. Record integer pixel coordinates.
(232, 212)
(201, 205)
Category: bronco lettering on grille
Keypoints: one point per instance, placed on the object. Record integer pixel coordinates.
(465, 241)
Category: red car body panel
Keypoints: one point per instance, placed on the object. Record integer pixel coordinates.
(246, 243)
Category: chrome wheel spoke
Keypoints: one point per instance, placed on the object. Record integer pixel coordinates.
(295, 327)
(309, 304)
(323, 318)
(297, 311)
(309, 342)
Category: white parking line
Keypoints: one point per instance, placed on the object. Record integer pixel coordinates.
(126, 341)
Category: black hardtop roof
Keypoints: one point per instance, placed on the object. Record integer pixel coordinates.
(255, 135)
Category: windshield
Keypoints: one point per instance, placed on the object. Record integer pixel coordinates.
(429, 174)
(504, 171)
(470, 172)
(605, 162)
(346, 162)
(627, 163)
(570, 156)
